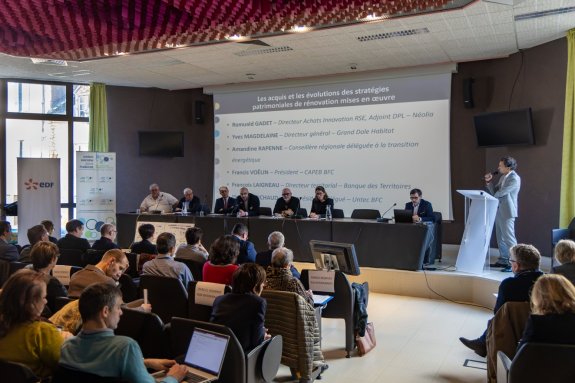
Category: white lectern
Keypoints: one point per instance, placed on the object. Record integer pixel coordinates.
(480, 210)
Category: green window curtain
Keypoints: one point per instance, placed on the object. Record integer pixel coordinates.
(567, 205)
(98, 119)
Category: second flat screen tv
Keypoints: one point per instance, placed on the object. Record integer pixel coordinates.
(514, 127)
(161, 143)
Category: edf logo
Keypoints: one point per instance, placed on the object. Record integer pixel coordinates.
(34, 185)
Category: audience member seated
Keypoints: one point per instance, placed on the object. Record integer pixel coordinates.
(35, 234)
(44, 256)
(24, 337)
(98, 351)
(189, 202)
(552, 318)
(158, 201)
(264, 258)
(164, 264)
(248, 204)
(8, 252)
(247, 249)
(108, 270)
(107, 236)
(244, 310)
(320, 203)
(221, 263)
(525, 261)
(565, 255)
(146, 232)
(286, 205)
(49, 225)
(279, 276)
(73, 238)
(193, 250)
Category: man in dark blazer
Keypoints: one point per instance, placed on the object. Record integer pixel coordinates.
(286, 205)
(192, 202)
(525, 260)
(73, 238)
(421, 210)
(225, 204)
(247, 249)
(248, 203)
(8, 252)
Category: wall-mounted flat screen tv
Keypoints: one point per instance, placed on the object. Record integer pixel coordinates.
(514, 127)
(161, 143)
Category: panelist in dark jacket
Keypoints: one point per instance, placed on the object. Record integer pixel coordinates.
(190, 201)
(552, 318)
(422, 211)
(248, 204)
(243, 310)
(286, 205)
(320, 203)
(225, 204)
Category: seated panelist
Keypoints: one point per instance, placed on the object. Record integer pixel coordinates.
(320, 202)
(422, 211)
(286, 205)
(248, 204)
(225, 204)
(190, 202)
(158, 201)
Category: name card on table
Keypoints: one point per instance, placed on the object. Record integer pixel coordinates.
(62, 273)
(321, 280)
(206, 292)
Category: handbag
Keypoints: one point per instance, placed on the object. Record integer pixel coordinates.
(367, 342)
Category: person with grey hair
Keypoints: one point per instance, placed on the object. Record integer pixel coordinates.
(164, 264)
(158, 201)
(107, 235)
(565, 254)
(276, 240)
(189, 202)
(279, 276)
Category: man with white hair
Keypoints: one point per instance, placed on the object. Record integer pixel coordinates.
(264, 258)
(189, 202)
(280, 278)
(158, 201)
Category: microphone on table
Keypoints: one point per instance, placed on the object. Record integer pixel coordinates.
(391, 207)
(297, 208)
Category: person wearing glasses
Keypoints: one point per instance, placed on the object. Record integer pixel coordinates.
(320, 203)
(225, 204)
(158, 201)
(107, 235)
(286, 205)
(248, 204)
(422, 211)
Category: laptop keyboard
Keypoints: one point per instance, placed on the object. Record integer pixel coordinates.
(193, 378)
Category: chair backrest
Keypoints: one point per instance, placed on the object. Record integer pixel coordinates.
(15, 266)
(60, 302)
(337, 213)
(64, 272)
(16, 373)
(199, 311)
(143, 258)
(92, 256)
(540, 362)
(147, 329)
(66, 375)
(167, 296)
(234, 367)
(365, 214)
(195, 267)
(301, 211)
(341, 306)
(4, 272)
(133, 265)
(129, 288)
(72, 257)
(266, 211)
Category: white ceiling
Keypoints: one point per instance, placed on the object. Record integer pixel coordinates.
(482, 30)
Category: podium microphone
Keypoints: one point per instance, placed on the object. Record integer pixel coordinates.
(391, 207)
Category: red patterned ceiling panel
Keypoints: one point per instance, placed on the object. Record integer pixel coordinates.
(89, 29)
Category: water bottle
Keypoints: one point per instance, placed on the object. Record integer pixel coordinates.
(328, 213)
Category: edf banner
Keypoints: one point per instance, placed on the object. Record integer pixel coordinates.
(95, 191)
(38, 194)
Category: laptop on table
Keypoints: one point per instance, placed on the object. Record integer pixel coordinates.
(205, 356)
(403, 216)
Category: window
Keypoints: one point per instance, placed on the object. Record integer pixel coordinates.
(43, 120)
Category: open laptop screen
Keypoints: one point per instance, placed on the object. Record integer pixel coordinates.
(403, 216)
(206, 351)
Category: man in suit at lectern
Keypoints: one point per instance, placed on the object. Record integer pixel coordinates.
(506, 191)
(422, 211)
